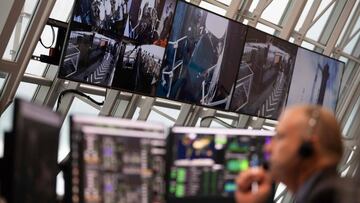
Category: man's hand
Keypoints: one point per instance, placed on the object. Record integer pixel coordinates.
(253, 186)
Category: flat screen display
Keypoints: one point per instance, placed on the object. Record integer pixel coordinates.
(316, 80)
(116, 160)
(264, 75)
(147, 29)
(31, 154)
(117, 43)
(202, 57)
(205, 162)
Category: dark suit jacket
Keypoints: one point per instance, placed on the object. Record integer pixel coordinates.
(329, 187)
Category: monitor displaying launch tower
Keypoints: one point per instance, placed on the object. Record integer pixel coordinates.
(316, 80)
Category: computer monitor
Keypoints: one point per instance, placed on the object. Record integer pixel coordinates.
(202, 57)
(115, 160)
(264, 75)
(316, 80)
(203, 163)
(117, 43)
(30, 154)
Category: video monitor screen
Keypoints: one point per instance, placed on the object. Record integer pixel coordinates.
(264, 75)
(149, 21)
(316, 80)
(31, 154)
(117, 160)
(205, 162)
(148, 28)
(117, 43)
(202, 57)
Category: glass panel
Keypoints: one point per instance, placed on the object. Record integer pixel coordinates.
(136, 114)
(227, 2)
(36, 68)
(62, 10)
(274, 11)
(315, 31)
(351, 45)
(253, 5)
(308, 45)
(343, 59)
(323, 5)
(5, 126)
(174, 113)
(218, 124)
(25, 91)
(215, 124)
(265, 28)
(48, 37)
(5, 11)
(3, 77)
(350, 121)
(303, 15)
(158, 118)
(77, 107)
(20, 29)
(213, 8)
(351, 16)
(357, 26)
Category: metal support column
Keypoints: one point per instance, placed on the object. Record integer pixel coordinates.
(233, 9)
(111, 97)
(207, 122)
(185, 112)
(291, 20)
(131, 107)
(263, 4)
(146, 106)
(17, 68)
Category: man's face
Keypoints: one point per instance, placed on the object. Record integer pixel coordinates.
(284, 147)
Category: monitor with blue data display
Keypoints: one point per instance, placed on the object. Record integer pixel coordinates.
(203, 163)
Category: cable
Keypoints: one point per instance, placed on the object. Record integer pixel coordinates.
(78, 93)
(53, 39)
(218, 119)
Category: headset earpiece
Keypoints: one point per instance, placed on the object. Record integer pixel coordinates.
(306, 149)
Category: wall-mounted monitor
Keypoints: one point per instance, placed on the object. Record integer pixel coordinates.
(316, 80)
(30, 154)
(147, 30)
(264, 75)
(117, 44)
(202, 57)
(203, 163)
(114, 160)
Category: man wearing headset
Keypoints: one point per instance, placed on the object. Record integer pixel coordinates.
(304, 155)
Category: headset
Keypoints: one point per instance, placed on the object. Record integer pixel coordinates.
(306, 148)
